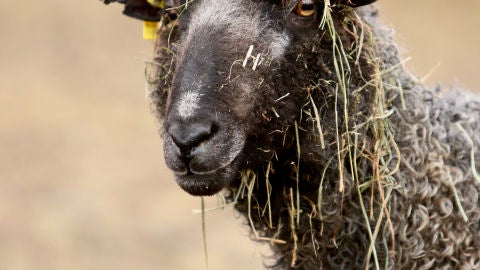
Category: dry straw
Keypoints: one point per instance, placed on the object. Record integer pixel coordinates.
(381, 156)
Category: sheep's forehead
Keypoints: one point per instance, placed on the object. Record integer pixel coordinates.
(237, 15)
(241, 19)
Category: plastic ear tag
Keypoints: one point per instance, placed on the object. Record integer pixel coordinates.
(157, 3)
(150, 30)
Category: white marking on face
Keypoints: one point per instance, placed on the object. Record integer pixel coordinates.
(188, 104)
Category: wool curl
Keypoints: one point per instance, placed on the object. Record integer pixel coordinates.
(321, 208)
(437, 135)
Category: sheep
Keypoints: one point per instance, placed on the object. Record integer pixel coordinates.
(302, 115)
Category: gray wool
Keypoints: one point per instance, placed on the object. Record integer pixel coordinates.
(438, 134)
(432, 197)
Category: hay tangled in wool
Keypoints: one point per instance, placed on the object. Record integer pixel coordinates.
(395, 183)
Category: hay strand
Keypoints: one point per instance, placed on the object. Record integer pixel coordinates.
(297, 175)
(268, 187)
(475, 173)
(317, 121)
(457, 198)
(293, 212)
(204, 233)
(249, 178)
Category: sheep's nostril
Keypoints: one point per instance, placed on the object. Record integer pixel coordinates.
(187, 136)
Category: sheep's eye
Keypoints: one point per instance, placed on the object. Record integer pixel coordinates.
(306, 8)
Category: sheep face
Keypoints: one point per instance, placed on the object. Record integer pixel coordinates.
(242, 69)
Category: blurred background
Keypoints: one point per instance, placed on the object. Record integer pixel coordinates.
(83, 183)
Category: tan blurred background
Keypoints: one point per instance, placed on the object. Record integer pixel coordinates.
(82, 179)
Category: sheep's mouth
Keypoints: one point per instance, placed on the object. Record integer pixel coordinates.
(206, 184)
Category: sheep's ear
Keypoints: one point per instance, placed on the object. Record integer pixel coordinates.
(142, 9)
(147, 10)
(356, 3)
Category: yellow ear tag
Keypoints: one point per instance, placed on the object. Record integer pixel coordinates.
(150, 30)
(157, 3)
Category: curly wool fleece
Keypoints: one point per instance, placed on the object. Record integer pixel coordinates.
(433, 210)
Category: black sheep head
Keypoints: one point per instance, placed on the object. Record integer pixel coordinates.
(237, 85)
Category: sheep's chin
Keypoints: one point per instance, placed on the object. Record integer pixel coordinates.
(206, 184)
